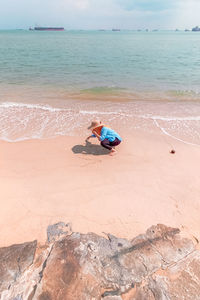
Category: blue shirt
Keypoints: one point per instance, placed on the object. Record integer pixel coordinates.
(107, 133)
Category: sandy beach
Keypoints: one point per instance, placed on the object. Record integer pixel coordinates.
(45, 181)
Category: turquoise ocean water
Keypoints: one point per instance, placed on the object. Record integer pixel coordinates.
(74, 61)
(50, 78)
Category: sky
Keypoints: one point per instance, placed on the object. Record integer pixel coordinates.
(100, 14)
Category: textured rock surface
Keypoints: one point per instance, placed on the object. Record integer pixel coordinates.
(162, 264)
(14, 261)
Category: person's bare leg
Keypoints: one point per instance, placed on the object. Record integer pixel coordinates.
(113, 152)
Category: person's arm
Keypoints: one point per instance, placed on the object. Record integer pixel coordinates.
(90, 136)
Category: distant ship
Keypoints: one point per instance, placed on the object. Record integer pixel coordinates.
(115, 29)
(48, 28)
(196, 28)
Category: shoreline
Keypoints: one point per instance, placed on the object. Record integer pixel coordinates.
(26, 121)
(43, 182)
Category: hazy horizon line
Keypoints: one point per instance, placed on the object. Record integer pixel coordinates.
(104, 29)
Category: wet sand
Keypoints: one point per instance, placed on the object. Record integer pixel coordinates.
(45, 181)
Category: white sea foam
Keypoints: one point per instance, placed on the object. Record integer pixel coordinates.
(21, 139)
(112, 113)
(54, 109)
(23, 121)
(93, 112)
(168, 119)
(174, 137)
(32, 106)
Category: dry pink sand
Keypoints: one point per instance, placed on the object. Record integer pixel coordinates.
(43, 181)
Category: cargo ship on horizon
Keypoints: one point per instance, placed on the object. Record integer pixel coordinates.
(47, 28)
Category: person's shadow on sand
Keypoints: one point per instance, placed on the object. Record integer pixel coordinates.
(89, 148)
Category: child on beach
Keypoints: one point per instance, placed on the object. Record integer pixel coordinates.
(108, 137)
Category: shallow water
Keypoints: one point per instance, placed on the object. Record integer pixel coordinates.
(26, 121)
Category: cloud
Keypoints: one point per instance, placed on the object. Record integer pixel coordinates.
(93, 14)
(146, 5)
(187, 13)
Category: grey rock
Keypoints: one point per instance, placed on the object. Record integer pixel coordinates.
(14, 260)
(161, 264)
(57, 231)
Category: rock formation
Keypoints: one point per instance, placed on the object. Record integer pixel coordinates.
(162, 264)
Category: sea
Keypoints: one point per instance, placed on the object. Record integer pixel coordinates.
(54, 83)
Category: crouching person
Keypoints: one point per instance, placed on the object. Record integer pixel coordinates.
(108, 138)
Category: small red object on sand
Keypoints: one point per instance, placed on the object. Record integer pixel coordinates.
(172, 151)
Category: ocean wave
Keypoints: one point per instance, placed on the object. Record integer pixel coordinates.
(32, 106)
(55, 109)
(183, 92)
(174, 137)
(168, 119)
(24, 121)
(93, 112)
